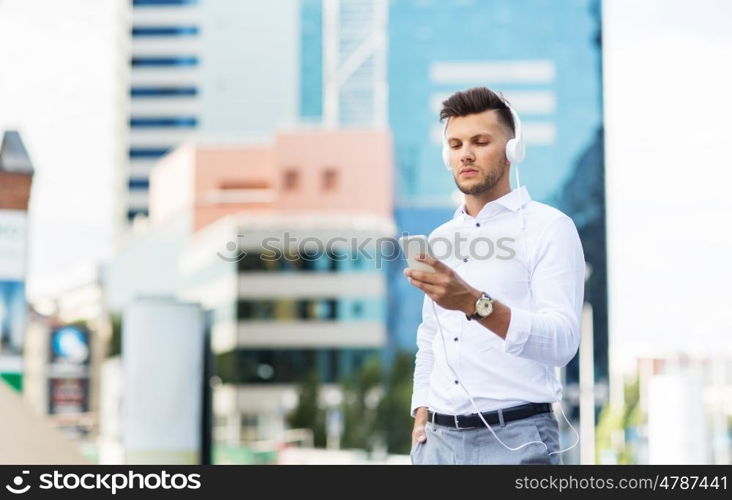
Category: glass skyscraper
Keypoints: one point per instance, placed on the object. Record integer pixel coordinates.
(545, 57)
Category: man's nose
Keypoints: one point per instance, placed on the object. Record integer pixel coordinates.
(466, 155)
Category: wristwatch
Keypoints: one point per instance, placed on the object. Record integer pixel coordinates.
(483, 307)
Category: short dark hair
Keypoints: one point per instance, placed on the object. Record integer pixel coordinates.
(477, 100)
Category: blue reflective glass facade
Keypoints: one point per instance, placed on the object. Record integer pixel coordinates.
(546, 58)
(158, 91)
(138, 184)
(165, 61)
(156, 31)
(311, 60)
(162, 3)
(176, 122)
(147, 152)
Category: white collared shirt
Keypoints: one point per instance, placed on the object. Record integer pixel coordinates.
(538, 272)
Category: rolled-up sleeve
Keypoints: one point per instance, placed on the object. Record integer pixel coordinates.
(424, 359)
(549, 333)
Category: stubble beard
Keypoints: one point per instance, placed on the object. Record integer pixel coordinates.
(489, 181)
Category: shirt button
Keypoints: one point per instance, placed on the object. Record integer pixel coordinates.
(465, 259)
(455, 339)
(477, 224)
(456, 381)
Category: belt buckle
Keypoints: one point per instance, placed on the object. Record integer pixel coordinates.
(457, 422)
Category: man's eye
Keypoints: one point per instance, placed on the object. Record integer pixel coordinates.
(455, 146)
(481, 143)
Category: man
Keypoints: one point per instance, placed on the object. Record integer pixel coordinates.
(497, 322)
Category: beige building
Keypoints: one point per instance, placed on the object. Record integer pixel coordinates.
(279, 241)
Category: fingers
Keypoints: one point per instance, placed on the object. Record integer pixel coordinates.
(433, 284)
(426, 276)
(437, 264)
(431, 290)
(419, 435)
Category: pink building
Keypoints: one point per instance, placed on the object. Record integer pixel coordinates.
(314, 171)
(213, 206)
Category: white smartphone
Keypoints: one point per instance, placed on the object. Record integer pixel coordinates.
(413, 246)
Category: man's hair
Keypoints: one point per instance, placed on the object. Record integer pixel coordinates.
(477, 100)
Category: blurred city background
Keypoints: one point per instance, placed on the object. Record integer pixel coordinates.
(155, 153)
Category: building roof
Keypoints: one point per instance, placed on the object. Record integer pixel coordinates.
(13, 155)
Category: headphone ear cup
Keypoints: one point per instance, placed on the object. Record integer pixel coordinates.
(511, 150)
(515, 151)
(519, 152)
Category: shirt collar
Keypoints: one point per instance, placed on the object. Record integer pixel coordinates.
(512, 201)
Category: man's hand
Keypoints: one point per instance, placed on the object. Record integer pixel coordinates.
(444, 286)
(420, 419)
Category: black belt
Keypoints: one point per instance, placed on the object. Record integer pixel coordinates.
(492, 417)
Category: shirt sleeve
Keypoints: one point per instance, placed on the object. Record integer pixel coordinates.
(550, 332)
(424, 359)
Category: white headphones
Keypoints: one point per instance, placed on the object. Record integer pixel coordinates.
(515, 148)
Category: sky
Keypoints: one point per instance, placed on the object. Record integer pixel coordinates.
(58, 88)
(667, 109)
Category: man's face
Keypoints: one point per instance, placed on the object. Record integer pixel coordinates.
(477, 146)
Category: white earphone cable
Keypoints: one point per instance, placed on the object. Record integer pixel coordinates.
(480, 415)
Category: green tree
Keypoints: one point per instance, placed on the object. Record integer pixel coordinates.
(115, 342)
(614, 420)
(358, 416)
(393, 421)
(376, 405)
(308, 414)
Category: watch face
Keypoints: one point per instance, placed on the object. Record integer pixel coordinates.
(484, 307)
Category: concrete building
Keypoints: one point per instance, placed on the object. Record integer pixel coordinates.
(279, 241)
(202, 69)
(16, 177)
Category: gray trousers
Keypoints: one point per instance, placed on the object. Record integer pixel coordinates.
(477, 446)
